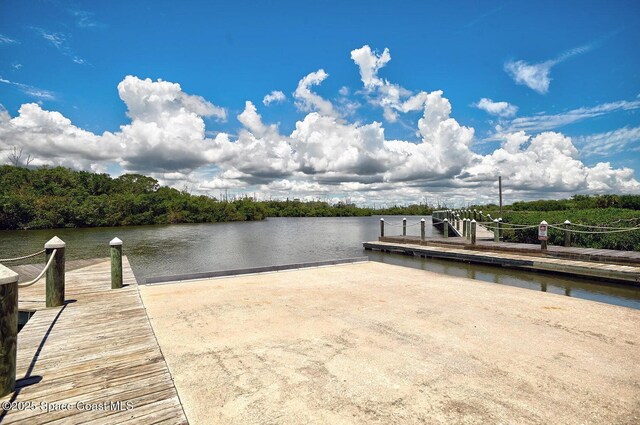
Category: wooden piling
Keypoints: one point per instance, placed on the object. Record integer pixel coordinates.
(543, 240)
(464, 227)
(422, 229)
(404, 227)
(567, 233)
(446, 228)
(496, 235)
(55, 273)
(473, 232)
(8, 329)
(116, 263)
(382, 227)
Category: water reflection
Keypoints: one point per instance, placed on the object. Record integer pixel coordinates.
(192, 248)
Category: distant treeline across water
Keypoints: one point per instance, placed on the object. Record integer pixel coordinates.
(46, 198)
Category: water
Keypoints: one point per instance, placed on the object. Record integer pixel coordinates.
(192, 248)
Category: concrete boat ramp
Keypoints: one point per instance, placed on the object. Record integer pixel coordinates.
(344, 344)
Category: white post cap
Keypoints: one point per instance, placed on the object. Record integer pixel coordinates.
(543, 222)
(473, 221)
(404, 219)
(446, 219)
(422, 219)
(7, 275)
(567, 222)
(480, 211)
(55, 242)
(115, 242)
(381, 219)
(495, 220)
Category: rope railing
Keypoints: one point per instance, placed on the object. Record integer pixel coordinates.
(628, 229)
(46, 267)
(7, 260)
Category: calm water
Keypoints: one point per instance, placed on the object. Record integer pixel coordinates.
(191, 248)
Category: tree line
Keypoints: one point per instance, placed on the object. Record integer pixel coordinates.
(60, 197)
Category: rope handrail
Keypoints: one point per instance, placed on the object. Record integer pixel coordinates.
(46, 267)
(6, 260)
(600, 227)
(628, 229)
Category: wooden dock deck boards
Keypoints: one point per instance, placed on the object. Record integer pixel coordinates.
(97, 349)
(624, 273)
(582, 254)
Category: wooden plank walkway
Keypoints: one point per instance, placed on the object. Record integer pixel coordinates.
(582, 254)
(95, 359)
(624, 273)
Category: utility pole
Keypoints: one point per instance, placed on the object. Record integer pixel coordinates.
(500, 190)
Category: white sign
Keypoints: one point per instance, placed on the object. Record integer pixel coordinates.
(542, 232)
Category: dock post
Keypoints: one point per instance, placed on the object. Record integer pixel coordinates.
(404, 227)
(457, 222)
(382, 227)
(116, 263)
(500, 227)
(8, 329)
(480, 214)
(469, 229)
(445, 227)
(422, 229)
(567, 234)
(464, 227)
(496, 236)
(543, 236)
(473, 232)
(475, 214)
(55, 273)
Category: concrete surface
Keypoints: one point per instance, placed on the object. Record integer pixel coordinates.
(381, 344)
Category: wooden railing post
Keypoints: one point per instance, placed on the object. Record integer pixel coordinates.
(473, 232)
(567, 233)
(469, 229)
(445, 227)
(55, 273)
(422, 230)
(464, 227)
(116, 263)
(404, 227)
(500, 227)
(543, 240)
(8, 329)
(382, 227)
(496, 236)
(457, 222)
(480, 214)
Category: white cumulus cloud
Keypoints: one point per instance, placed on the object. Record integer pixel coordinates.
(308, 101)
(275, 96)
(501, 109)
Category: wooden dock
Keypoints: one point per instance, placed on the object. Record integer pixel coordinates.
(93, 360)
(620, 266)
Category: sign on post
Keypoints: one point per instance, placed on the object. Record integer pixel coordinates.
(542, 231)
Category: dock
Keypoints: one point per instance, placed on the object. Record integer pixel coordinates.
(93, 360)
(611, 265)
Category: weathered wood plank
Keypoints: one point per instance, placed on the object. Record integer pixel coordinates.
(623, 273)
(97, 349)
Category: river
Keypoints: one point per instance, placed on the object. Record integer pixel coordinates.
(192, 248)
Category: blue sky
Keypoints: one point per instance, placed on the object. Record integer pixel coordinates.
(571, 68)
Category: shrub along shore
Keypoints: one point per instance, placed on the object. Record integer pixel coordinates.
(46, 198)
